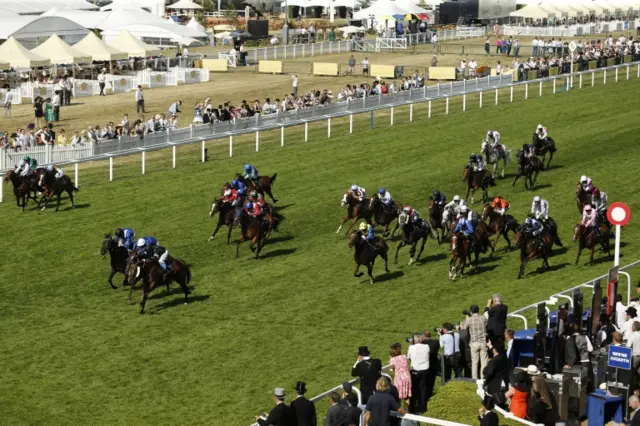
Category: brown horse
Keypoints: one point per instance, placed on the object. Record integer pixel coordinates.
(262, 185)
(582, 198)
(498, 224)
(366, 253)
(20, 188)
(461, 248)
(590, 239)
(435, 219)
(384, 216)
(256, 231)
(529, 169)
(412, 234)
(225, 212)
(152, 276)
(531, 248)
(54, 186)
(356, 210)
(477, 180)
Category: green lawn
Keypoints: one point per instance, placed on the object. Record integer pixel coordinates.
(75, 352)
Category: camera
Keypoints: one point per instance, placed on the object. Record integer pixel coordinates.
(466, 312)
(410, 340)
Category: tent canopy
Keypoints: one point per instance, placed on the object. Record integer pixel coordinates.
(19, 57)
(185, 4)
(59, 52)
(98, 49)
(194, 24)
(40, 6)
(346, 3)
(134, 47)
(533, 11)
(381, 8)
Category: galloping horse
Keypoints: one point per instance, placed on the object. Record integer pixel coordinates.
(256, 231)
(119, 256)
(226, 214)
(531, 249)
(152, 276)
(356, 210)
(412, 234)
(460, 252)
(54, 186)
(529, 169)
(262, 185)
(382, 215)
(435, 219)
(366, 253)
(582, 198)
(589, 239)
(542, 147)
(20, 188)
(494, 155)
(498, 224)
(475, 181)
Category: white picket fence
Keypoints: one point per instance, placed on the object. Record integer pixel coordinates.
(45, 154)
(487, 89)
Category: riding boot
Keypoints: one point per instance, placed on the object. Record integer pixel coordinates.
(167, 273)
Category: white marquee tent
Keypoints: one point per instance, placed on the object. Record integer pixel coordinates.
(381, 8)
(58, 52)
(30, 31)
(99, 50)
(195, 25)
(19, 57)
(185, 5)
(34, 7)
(537, 11)
(134, 47)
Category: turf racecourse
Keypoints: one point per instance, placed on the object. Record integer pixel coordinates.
(75, 352)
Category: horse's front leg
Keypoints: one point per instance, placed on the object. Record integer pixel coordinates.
(516, 179)
(110, 280)
(593, 250)
(523, 265)
(400, 245)
(240, 240)
(385, 231)
(355, 271)
(424, 243)
(346, 218)
(495, 166)
(215, 231)
(504, 166)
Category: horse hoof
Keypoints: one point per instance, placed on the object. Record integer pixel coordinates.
(210, 238)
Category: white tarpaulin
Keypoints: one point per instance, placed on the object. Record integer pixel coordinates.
(379, 9)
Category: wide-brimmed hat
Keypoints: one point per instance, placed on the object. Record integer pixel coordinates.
(278, 393)
(363, 351)
(533, 370)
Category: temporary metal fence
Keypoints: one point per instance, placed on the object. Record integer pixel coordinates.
(108, 150)
(575, 30)
(45, 154)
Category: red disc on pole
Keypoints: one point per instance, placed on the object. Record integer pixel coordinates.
(618, 214)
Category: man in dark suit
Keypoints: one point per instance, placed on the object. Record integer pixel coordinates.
(351, 415)
(434, 364)
(496, 372)
(487, 417)
(497, 322)
(304, 409)
(334, 412)
(634, 416)
(281, 414)
(368, 370)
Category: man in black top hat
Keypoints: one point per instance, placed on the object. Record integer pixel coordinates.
(304, 409)
(281, 414)
(368, 370)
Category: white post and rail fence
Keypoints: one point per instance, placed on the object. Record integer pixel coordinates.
(211, 133)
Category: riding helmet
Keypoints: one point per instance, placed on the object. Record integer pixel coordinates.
(234, 183)
(141, 242)
(539, 126)
(536, 199)
(463, 209)
(247, 167)
(363, 226)
(456, 198)
(354, 187)
(241, 191)
(407, 209)
(50, 167)
(583, 179)
(436, 194)
(496, 200)
(118, 231)
(248, 205)
(382, 191)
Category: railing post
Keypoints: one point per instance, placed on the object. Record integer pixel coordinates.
(173, 156)
(429, 113)
(1, 189)
(604, 80)
(511, 93)
(294, 51)
(540, 87)
(497, 96)
(554, 86)
(313, 49)
(464, 102)
(446, 107)
(438, 89)
(191, 130)
(638, 71)
(593, 78)
(477, 84)
(424, 90)
(282, 136)
(202, 152)
(230, 146)
(391, 121)
(143, 161)
(410, 112)
(329, 127)
(480, 99)
(580, 81)
(526, 91)
(616, 75)
(306, 131)
(257, 140)
(464, 84)
(451, 87)
(627, 72)
(110, 169)
(76, 178)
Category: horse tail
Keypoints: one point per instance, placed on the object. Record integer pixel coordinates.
(273, 178)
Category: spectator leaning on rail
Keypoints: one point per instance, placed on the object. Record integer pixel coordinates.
(305, 410)
(332, 417)
(368, 370)
(419, 354)
(497, 320)
(476, 325)
(281, 414)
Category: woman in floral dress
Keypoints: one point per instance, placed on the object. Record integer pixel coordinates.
(402, 376)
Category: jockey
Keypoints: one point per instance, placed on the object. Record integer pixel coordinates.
(589, 217)
(599, 201)
(500, 205)
(587, 184)
(160, 254)
(532, 227)
(58, 170)
(20, 167)
(237, 185)
(256, 198)
(385, 197)
(125, 236)
(26, 166)
(250, 172)
(541, 131)
(540, 209)
(229, 195)
(466, 227)
(439, 198)
(476, 162)
(145, 242)
(359, 193)
(253, 209)
(368, 234)
(493, 139)
(529, 151)
(452, 208)
(412, 213)
(470, 215)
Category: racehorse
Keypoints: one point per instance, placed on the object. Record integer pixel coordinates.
(529, 169)
(382, 215)
(544, 146)
(413, 233)
(435, 219)
(152, 276)
(494, 155)
(262, 185)
(477, 180)
(356, 210)
(20, 188)
(582, 198)
(366, 253)
(590, 239)
(255, 230)
(460, 252)
(119, 257)
(530, 249)
(499, 224)
(226, 214)
(54, 186)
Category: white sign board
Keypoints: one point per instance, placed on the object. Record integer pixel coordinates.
(573, 46)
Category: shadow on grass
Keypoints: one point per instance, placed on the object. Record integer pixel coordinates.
(278, 208)
(432, 258)
(162, 292)
(543, 186)
(177, 302)
(280, 239)
(483, 268)
(79, 206)
(385, 277)
(277, 253)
